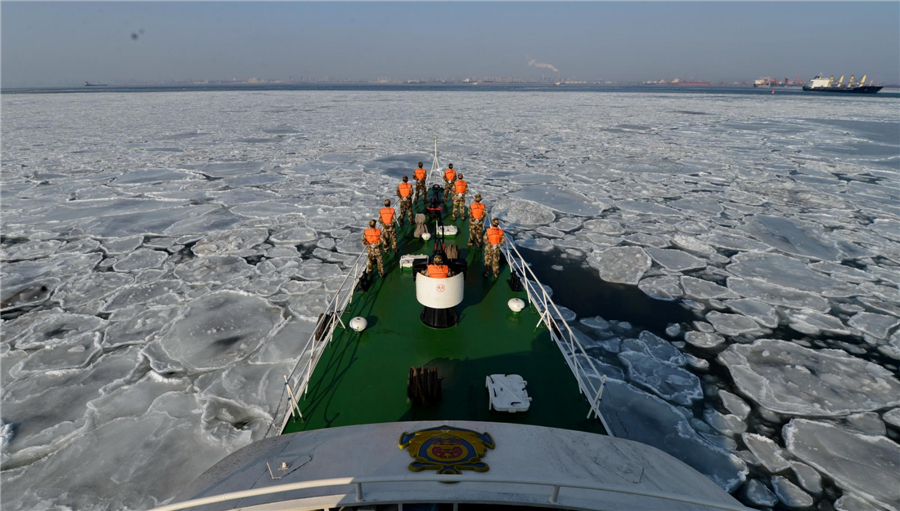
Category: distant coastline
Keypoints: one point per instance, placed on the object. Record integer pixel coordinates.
(889, 91)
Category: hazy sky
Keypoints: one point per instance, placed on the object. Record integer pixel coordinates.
(53, 43)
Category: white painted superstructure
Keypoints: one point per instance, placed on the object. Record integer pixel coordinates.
(529, 465)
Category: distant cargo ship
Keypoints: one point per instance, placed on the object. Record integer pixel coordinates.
(819, 84)
(89, 84)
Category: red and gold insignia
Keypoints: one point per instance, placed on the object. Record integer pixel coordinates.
(447, 449)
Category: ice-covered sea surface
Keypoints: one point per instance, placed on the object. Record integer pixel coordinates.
(163, 255)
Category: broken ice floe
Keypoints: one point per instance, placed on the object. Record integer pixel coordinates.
(624, 265)
(215, 330)
(865, 465)
(790, 379)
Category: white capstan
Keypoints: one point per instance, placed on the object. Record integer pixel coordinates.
(516, 304)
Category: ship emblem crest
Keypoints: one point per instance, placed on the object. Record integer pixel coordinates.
(447, 449)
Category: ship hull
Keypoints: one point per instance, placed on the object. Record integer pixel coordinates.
(866, 89)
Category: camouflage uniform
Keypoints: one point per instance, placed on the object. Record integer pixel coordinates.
(375, 256)
(448, 188)
(420, 188)
(389, 235)
(459, 204)
(405, 210)
(492, 255)
(476, 231)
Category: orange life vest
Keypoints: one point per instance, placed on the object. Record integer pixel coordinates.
(477, 210)
(420, 173)
(387, 215)
(494, 235)
(373, 236)
(405, 189)
(461, 186)
(438, 271)
(449, 174)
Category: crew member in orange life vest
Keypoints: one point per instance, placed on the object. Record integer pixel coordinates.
(460, 187)
(437, 270)
(372, 240)
(449, 177)
(476, 222)
(386, 215)
(404, 191)
(493, 238)
(420, 176)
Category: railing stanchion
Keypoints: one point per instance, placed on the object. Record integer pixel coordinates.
(554, 497)
(359, 495)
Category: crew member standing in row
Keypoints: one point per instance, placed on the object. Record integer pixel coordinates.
(404, 192)
(493, 239)
(476, 222)
(387, 225)
(460, 187)
(420, 176)
(373, 242)
(449, 177)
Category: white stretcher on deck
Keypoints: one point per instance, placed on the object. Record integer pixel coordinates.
(506, 393)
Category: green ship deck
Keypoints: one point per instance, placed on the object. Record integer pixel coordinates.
(361, 378)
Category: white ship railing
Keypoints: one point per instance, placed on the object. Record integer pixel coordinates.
(554, 487)
(319, 339)
(590, 379)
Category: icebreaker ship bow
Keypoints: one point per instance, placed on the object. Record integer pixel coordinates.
(411, 381)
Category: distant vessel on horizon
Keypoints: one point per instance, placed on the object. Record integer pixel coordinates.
(819, 84)
(89, 84)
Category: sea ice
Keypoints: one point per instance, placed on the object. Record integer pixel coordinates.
(790, 494)
(217, 329)
(623, 265)
(758, 311)
(781, 270)
(139, 329)
(812, 322)
(220, 243)
(729, 425)
(143, 259)
(758, 495)
(866, 465)
(522, 212)
(777, 295)
(661, 288)
(39, 329)
(692, 244)
(892, 417)
(793, 380)
(704, 340)
(807, 476)
(667, 381)
(699, 289)
(767, 452)
(792, 237)
(876, 325)
(645, 418)
(734, 404)
(89, 287)
(733, 325)
(851, 502)
(153, 292)
(655, 346)
(675, 260)
(213, 269)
